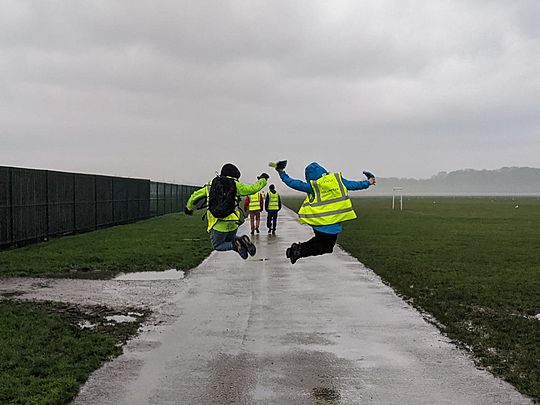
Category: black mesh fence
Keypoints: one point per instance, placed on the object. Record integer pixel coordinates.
(5, 205)
(37, 204)
(166, 198)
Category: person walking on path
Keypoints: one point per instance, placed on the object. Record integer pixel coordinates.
(272, 205)
(326, 206)
(254, 204)
(222, 194)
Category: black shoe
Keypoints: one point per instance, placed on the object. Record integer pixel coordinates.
(240, 248)
(269, 230)
(293, 253)
(257, 230)
(250, 247)
(252, 232)
(273, 231)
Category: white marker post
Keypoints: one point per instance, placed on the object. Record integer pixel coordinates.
(400, 189)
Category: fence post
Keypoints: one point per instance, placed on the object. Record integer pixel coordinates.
(95, 201)
(11, 210)
(112, 200)
(73, 230)
(47, 204)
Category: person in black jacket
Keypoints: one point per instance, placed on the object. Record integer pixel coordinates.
(272, 205)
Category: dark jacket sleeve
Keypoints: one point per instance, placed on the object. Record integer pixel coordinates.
(266, 201)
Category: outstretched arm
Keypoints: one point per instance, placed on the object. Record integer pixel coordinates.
(248, 189)
(356, 185)
(294, 183)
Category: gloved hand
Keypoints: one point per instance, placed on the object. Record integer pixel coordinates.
(370, 176)
(281, 165)
(263, 176)
(188, 211)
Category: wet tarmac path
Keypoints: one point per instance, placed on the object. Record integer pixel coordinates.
(323, 331)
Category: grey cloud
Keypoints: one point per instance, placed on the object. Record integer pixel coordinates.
(454, 84)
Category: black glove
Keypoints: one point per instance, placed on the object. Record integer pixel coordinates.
(281, 165)
(369, 175)
(188, 211)
(263, 176)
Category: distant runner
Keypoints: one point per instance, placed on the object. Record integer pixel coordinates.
(326, 206)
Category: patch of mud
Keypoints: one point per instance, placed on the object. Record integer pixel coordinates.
(94, 316)
(171, 274)
(41, 284)
(11, 294)
(86, 325)
(232, 379)
(304, 377)
(325, 395)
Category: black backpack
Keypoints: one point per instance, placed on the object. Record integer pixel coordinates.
(222, 197)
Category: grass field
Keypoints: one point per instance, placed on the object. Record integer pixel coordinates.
(473, 263)
(45, 355)
(171, 241)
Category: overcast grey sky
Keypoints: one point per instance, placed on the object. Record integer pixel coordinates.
(171, 90)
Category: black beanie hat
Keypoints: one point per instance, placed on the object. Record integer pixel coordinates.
(230, 170)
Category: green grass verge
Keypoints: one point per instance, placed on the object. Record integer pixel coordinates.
(45, 356)
(473, 263)
(170, 241)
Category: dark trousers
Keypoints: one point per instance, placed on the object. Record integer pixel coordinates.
(320, 244)
(271, 220)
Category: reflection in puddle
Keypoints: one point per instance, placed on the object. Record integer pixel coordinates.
(121, 318)
(171, 274)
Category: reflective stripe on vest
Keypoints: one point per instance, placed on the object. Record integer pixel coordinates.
(329, 204)
(273, 201)
(254, 202)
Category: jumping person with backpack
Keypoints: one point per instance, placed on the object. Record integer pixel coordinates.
(222, 194)
(326, 206)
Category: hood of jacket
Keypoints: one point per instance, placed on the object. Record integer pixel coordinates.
(314, 171)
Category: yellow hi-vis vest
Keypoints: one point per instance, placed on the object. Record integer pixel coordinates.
(254, 202)
(330, 203)
(212, 220)
(273, 201)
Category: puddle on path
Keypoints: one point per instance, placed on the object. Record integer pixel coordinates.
(326, 395)
(538, 317)
(171, 274)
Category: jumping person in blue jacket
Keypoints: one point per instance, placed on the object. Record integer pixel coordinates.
(326, 206)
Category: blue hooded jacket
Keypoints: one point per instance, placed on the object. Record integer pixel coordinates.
(315, 171)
